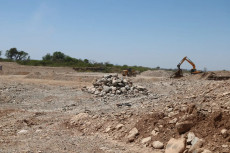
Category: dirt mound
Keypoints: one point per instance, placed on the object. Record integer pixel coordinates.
(211, 75)
(205, 126)
(157, 73)
(219, 75)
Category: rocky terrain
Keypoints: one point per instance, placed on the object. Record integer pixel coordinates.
(45, 109)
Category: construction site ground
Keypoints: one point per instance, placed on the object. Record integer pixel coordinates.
(40, 107)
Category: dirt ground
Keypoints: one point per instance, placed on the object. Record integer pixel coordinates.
(44, 110)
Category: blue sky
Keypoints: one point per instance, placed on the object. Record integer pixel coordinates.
(134, 32)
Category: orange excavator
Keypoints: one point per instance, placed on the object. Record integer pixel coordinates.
(129, 72)
(193, 70)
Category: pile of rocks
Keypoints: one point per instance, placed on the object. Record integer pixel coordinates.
(111, 85)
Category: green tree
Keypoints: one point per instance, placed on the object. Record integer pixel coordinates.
(14, 54)
(108, 64)
(21, 55)
(47, 57)
(86, 61)
(11, 53)
(58, 56)
(69, 59)
(0, 53)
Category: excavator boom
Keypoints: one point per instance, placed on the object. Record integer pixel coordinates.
(188, 60)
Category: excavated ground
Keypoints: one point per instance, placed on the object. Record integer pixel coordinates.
(40, 107)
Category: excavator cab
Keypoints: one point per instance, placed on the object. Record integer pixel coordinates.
(193, 71)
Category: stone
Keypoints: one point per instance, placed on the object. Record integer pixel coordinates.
(38, 131)
(95, 84)
(112, 95)
(107, 89)
(118, 92)
(224, 146)
(190, 137)
(132, 134)
(170, 110)
(161, 126)
(176, 145)
(127, 87)
(206, 151)
(194, 140)
(125, 81)
(104, 80)
(140, 88)
(114, 89)
(173, 121)
(156, 129)
(23, 132)
(121, 84)
(146, 140)
(196, 145)
(97, 92)
(119, 126)
(108, 129)
(123, 89)
(183, 127)
(92, 90)
(171, 114)
(154, 133)
(157, 145)
(115, 82)
(224, 133)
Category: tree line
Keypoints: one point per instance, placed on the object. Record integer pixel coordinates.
(58, 58)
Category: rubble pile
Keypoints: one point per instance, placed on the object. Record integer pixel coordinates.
(111, 85)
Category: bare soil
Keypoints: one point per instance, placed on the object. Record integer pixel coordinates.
(38, 103)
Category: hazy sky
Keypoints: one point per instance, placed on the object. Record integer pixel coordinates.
(134, 32)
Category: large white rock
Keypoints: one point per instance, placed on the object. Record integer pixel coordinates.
(190, 137)
(176, 145)
(224, 133)
(119, 126)
(23, 132)
(157, 145)
(132, 134)
(146, 140)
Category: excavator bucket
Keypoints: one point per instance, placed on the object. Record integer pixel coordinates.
(177, 74)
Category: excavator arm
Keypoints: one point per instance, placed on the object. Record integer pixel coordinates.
(188, 60)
